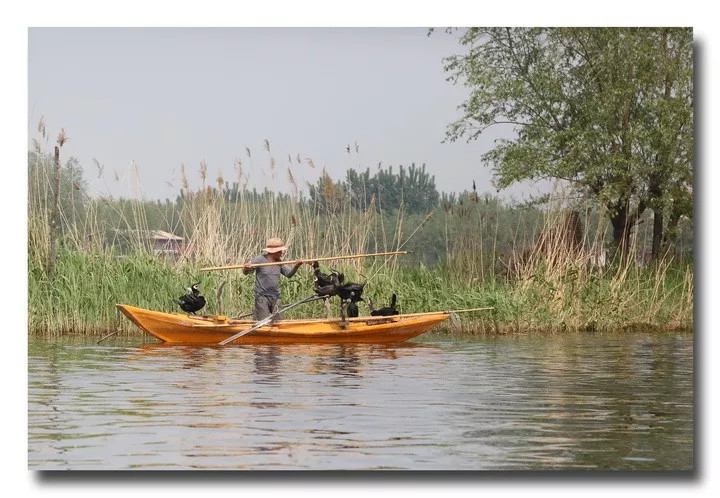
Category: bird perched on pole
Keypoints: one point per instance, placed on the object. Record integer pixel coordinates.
(333, 284)
(350, 294)
(326, 284)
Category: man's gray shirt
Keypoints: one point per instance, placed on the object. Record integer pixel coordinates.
(267, 278)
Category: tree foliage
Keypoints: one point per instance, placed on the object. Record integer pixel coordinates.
(609, 110)
(412, 188)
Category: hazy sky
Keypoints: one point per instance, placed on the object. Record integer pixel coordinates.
(158, 98)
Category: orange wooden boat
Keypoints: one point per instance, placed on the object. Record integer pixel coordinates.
(189, 329)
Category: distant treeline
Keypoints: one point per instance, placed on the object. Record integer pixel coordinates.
(403, 199)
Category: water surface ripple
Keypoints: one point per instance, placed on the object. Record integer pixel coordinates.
(523, 403)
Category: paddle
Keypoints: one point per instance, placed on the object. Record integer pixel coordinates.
(109, 335)
(304, 260)
(269, 319)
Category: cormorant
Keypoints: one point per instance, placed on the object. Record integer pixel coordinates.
(352, 309)
(192, 301)
(324, 284)
(333, 284)
(388, 310)
(350, 294)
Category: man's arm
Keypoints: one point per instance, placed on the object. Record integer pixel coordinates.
(289, 271)
(246, 267)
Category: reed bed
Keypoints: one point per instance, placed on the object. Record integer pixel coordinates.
(540, 270)
(86, 286)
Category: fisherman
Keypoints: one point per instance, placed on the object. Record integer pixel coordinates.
(267, 278)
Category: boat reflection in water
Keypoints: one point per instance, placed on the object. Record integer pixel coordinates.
(268, 360)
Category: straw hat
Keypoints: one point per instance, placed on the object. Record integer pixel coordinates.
(275, 245)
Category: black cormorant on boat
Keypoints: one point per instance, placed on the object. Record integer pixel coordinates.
(350, 294)
(325, 284)
(387, 310)
(333, 284)
(192, 301)
(352, 309)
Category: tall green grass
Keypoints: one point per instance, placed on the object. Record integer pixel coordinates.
(81, 297)
(480, 259)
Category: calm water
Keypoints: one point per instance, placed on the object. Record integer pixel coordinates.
(541, 403)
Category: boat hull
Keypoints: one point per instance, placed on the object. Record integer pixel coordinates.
(188, 329)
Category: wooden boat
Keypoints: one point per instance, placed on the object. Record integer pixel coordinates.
(189, 329)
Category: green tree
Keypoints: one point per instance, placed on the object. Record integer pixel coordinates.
(608, 110)
(327, 194)
(669, 150)
(412, 188)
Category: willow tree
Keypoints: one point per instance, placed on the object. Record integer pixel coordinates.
(668, 147)
(607, 109)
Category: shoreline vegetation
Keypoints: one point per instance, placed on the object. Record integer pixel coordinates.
(605, 113)
(543, 268)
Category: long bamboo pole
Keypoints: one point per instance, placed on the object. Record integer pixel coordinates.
(304, 260)
(437, 312)
(367, 318)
